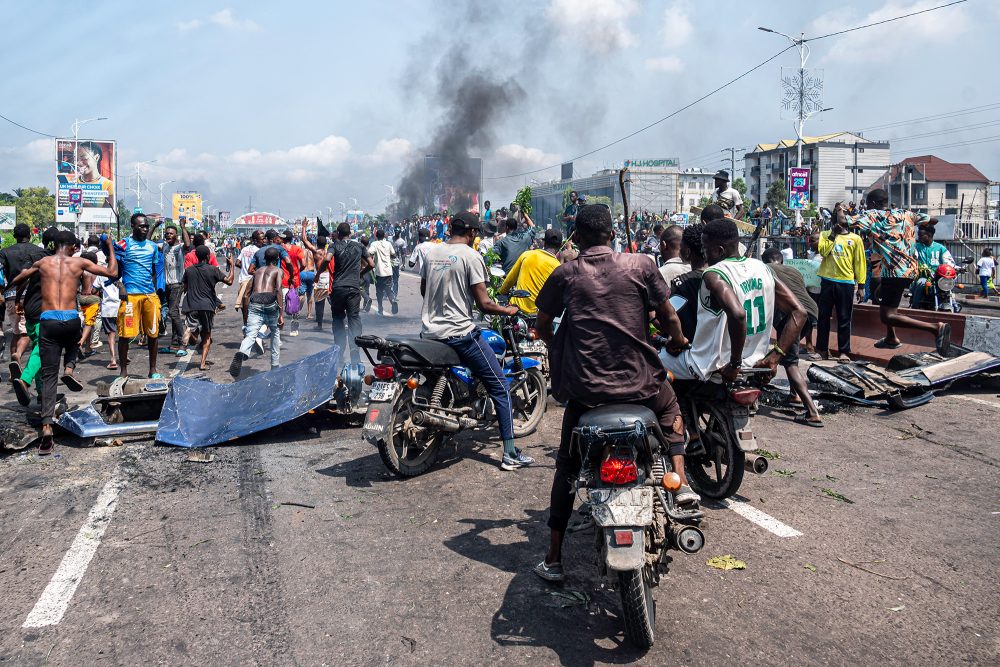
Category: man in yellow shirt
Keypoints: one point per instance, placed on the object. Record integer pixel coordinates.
(531, 270)
(841, 272)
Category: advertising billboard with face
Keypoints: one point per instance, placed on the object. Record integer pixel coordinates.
(85, 180)
(186, 205)
(452, 185)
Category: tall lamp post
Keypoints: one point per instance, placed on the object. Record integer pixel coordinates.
(161, 194)
(138, 182)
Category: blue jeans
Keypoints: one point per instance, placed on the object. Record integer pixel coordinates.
(259, 316)
(984, 282)
(480, 359)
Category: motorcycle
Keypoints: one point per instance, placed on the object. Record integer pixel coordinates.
(721, 442)
(719, 422)
(937, 292)
(421, 395)
(630, 485)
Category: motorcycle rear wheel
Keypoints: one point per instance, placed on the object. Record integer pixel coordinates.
(403, 455)
(528, 402)
(638, 607)
(718, 473)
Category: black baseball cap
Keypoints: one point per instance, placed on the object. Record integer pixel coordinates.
(553, 237)
(466, 220)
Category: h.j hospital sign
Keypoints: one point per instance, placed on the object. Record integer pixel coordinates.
(664, 162)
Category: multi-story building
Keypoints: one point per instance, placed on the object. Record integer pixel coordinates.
(694, 183)
(842, 166)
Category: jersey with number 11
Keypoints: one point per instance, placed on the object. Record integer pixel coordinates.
(754, 288)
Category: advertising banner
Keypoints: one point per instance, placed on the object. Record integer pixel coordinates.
(187, 205)
(85, 180)
(250, 222)
(8, 217)
(452, 185)
(798, 187)
(224, 219)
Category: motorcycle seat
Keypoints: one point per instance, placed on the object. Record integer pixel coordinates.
(618, 417)
(420, 351)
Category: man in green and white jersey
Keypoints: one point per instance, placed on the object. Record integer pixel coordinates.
(735, 311)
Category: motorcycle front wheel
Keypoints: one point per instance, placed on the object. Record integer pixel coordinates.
(404, 452)
(528, 402)
(638, 607)
(718, 472)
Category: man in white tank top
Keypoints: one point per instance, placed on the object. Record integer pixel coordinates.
(736, 305)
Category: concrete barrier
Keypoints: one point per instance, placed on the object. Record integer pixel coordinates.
(974, 332)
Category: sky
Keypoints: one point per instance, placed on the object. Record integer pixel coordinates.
(297, 107)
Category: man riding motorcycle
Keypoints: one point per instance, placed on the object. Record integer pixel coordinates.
(602, 355)
(452, 277)
(930, 255)
(735, 310)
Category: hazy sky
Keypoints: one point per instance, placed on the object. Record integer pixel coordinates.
(301, 105)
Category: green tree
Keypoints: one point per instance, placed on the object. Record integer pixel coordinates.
(740, 186)
(523, 199)
(704, 201)
(123, 215)
(777, 196)
(36, 207)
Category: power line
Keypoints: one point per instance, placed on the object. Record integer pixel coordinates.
(871, 25)
(970, 142)
(935, 133)
(940, 116)
(654, 123)
(25, 127)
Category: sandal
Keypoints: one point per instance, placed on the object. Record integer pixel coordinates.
(71, 382)
(804, 419)
(883, 344)
(15, 370)
(21, 391)
(112, 366)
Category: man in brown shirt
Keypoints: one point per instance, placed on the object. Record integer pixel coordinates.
(602, 354)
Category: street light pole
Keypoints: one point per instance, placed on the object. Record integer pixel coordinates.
(138, 182)
(799, 43)
(77, 123)
(161, 195)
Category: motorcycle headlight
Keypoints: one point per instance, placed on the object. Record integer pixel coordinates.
(946, 284)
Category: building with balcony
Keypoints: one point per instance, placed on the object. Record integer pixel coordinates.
(842, 166)
(694, 183)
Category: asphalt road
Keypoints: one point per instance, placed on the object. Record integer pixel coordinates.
(220, 563)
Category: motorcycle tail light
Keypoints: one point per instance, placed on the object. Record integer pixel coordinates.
(617, 470)
(412, 383)
(384, 372)
(671, 481)
(369, 379)
(745, 396)
(623, 538)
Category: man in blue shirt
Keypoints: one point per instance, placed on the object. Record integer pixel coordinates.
(141, 265)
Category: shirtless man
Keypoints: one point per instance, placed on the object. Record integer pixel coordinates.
(265, 306)
(59, 326)
(307, 275)
(314, 257)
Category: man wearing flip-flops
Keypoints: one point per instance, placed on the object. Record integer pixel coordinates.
(142, 266)
(893, 234)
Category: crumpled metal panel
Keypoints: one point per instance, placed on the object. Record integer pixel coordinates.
(622, 507)
(88, 423)
(199, 413)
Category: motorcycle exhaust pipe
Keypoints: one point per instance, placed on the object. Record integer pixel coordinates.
(754, 463)
(445, 423)
(688, 539)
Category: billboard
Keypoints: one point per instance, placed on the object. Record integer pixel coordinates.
(223, 219)
(187, 205)
(453, 185)
(798, 187)
(8, 217)
(258, 220)
(85, 180)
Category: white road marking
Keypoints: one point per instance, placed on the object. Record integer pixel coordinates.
(182, 364)
(973, 399)
(57, 595)
(762, 519)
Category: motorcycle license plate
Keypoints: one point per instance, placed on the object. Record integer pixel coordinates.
(382, 391)
(622, 507)
(532, 347)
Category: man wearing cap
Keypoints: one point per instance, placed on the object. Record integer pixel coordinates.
(727, 196)
(452, 278)
(531, 270)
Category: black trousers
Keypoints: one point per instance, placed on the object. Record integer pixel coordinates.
(177, 325)
(345, 304)
(839, 297)
(569, 459)
(58, 340)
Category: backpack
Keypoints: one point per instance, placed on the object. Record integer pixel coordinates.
(292, 303)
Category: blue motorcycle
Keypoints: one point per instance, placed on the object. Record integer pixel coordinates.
(421, 395)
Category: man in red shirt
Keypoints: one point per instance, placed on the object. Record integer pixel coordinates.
(190, 259)
(290, 281)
